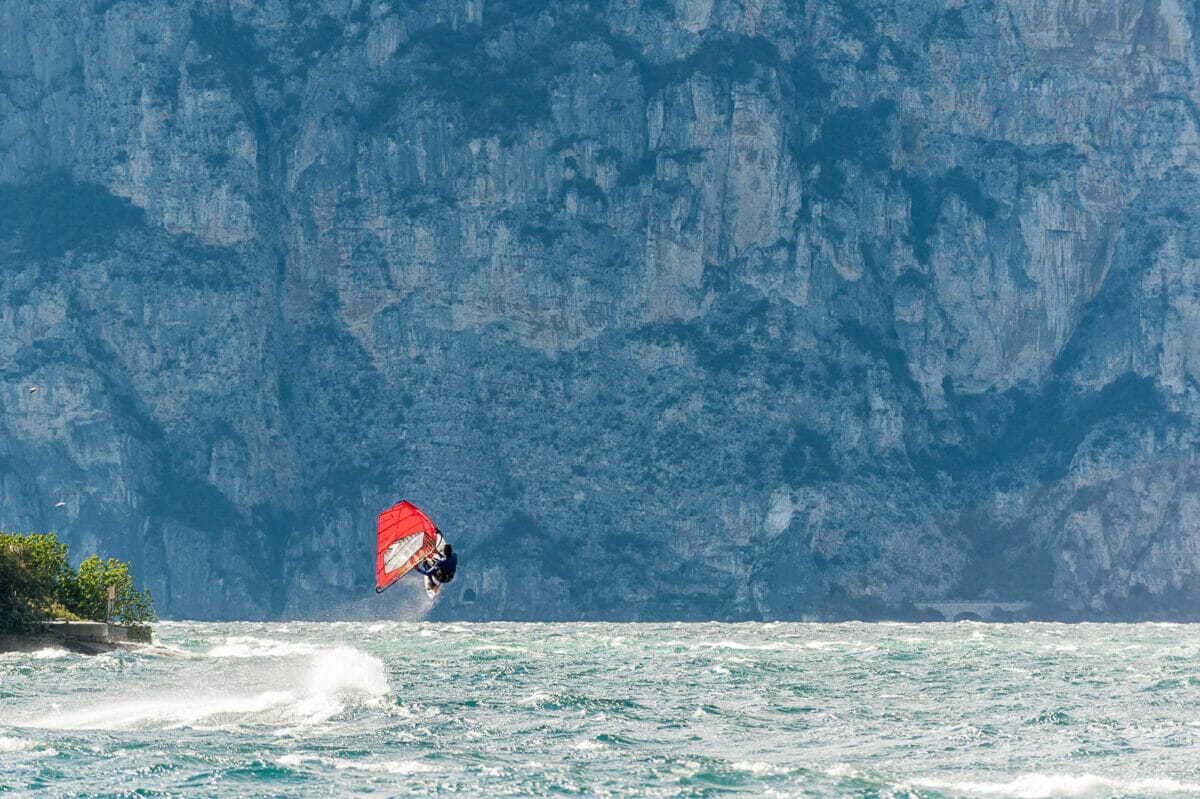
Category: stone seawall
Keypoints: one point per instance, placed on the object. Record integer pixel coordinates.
(84, 637)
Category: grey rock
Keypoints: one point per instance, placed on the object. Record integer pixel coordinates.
(669, 309)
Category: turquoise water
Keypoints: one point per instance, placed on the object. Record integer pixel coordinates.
(820, 710)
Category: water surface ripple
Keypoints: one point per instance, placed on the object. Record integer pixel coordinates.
(659, 710)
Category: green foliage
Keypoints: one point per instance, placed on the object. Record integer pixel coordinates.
(37, 583)
(48, 558)
(33, 573)
(95, 577)
(18, 589)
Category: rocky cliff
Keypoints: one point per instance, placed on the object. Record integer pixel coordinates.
(662, 308)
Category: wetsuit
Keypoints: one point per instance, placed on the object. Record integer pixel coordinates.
(442, 570)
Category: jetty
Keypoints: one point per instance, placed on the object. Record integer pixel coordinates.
(84, 637)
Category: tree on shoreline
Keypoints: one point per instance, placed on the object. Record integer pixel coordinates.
(91, 584)
(37, 584)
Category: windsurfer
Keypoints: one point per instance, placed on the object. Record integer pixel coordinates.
(439, 567)
(406, 537)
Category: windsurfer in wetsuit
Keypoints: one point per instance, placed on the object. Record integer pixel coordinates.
(441, 570)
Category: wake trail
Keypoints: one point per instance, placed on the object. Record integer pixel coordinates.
(241, 682)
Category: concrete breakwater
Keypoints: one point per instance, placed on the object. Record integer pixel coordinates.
(84, 637)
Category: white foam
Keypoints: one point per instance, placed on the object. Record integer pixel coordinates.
(14, 744)
(383, 626)
(778, 645)
(535, 697)
(1044, 786)
(377, 766)
(498, 648)
(587, 745)
(29, 749)
(759, 769)
(50, 653)
(247, 646)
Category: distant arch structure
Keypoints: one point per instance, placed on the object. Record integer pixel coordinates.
(976, 609)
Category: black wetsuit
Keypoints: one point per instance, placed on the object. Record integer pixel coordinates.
(442, 570)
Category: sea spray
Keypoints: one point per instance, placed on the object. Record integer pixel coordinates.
(240, 681)
(340, 677)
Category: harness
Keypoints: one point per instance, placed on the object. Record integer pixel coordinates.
(441, 573)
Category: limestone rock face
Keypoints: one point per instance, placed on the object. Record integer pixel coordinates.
(674, 308)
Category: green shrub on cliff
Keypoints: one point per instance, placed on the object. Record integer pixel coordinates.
(37, 583)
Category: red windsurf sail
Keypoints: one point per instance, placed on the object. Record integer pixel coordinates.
(406, 536)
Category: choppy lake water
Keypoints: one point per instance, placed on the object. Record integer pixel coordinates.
(813, 710)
